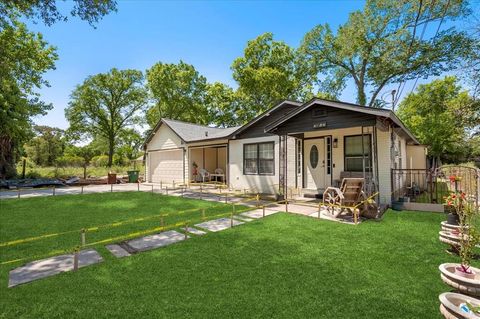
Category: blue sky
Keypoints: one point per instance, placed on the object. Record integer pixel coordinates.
(209, 35)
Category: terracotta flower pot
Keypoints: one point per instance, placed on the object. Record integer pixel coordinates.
(461, 281)
(450, 306)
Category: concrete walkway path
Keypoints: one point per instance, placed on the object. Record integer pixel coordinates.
(51, 266)
(157, 240)
(219, 224)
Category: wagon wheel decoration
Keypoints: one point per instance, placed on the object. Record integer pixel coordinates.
(330, 199)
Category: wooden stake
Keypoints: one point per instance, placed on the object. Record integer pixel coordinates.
(138, 186)
(263, 208)
(319, 208)
(203, 214)
(286, 205)
(111, 188)
(75, 259)
(82, 189)
(18, 190)
(82, 235)
(231, 220)
(53, 192)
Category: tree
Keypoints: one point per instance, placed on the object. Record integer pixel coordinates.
(78, 156)
(24, 58)
(383, 44)
(266, 74)
(442, 116)
(224, 105)
(178, 92)
(48, 12)
(46, 146)
(105, 104)
(130, 142)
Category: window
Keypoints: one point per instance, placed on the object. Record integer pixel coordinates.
(259, 158)
(355, 151)
(314, 156)
(299, 157)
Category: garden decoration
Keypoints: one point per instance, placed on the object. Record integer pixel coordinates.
(461, 276)
(453, 306)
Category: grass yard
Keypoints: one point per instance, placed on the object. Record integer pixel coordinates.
(285, 265)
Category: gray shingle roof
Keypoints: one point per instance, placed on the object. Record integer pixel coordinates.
(190, 132)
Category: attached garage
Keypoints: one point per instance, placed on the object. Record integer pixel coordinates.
(166, 166)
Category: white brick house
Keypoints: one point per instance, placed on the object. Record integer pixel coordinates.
(306, 146)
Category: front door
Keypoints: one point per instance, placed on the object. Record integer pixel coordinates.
(314, 163)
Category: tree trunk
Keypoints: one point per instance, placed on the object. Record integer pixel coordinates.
(361, 96)
(7, 158)
(110, 153)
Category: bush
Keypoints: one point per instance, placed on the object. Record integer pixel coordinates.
(70, 160)
(99, 161)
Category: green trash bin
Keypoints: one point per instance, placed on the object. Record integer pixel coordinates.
(133, 176)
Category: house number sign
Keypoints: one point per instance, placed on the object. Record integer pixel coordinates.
(320, 125)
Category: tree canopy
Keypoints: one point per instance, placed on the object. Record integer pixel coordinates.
(47, 145)
(178, 93)
(266, 74)
(442, 116)
(24, 58)
(385, 44)
(106, 104)
(48, 12)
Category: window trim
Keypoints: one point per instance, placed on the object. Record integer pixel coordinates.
(258, 158)
(368, 157)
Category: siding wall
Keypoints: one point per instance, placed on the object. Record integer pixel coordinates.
(261, 183)
(163, 139)
(416, 158)
(291, 162)
(384, 166)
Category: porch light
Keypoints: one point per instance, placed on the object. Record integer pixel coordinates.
(335, 142)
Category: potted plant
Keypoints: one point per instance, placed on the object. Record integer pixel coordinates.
(469, 238)
(453, 206)
(194, 170)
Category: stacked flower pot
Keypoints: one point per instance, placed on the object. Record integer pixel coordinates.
(462, 277)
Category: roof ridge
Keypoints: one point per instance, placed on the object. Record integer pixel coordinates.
(199, 125)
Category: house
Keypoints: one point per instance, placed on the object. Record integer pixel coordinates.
(307, 146)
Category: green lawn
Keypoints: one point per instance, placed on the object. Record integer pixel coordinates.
(285, 266)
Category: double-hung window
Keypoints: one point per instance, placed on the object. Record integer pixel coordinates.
(259, 158)
(358, 151)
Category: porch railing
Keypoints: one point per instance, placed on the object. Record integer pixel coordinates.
(431, 186)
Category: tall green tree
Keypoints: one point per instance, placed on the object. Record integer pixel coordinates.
(24, 58)
(106, 104)
(178, 92)
(47, 145)
(224, 105)
(442, 116)
(384, 43)
(130, 142)
(266, 73)
(48, 12)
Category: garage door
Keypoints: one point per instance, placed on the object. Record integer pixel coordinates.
(166, 166)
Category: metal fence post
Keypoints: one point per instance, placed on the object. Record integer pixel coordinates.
(138, 186)
(82, 189)
(18, 190)
(263, 209)
(231, 220)
(53, 191)
(111, 188)
(286, 205)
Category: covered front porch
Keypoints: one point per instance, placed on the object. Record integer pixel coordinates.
(322, 144)
(208, 163)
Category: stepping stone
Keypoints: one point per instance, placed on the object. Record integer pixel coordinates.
(156, 240)
(51, 266)
(194, 231)
(258, 213)
(117, 251)
(218, 224)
